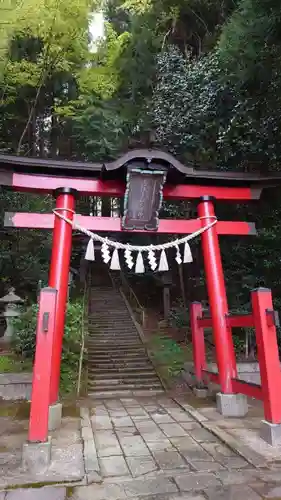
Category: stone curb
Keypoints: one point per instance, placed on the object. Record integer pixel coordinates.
(92, 468)
(252, 457)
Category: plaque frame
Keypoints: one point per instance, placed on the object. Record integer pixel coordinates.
(129, 223)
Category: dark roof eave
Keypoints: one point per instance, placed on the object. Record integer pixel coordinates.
(37, 165)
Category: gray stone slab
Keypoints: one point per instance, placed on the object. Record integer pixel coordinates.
(138, 418)
(139, 487)
(126, 432)
(156, 435)
(134, 446)
(113, 404)
(170, 460)
(180, 415)
(270, 476)
(268, 491)
(234, 462)
(189, 426)
(187, 496)
(232, 493)
(129, 402)
(162, 419)
(196, 455)
(237, 477)
(47, 493)
(160, 445)
(113, 466)
(118, 413)
(90, 457)
(146, 426)
(202, 435)
(196, 481)
(107, 444)
(122, 421)
(36, 456)
(205, 466)
(101, 422)
(2, 495)
(218, 450)
(172, 430)
(99, 409)
(137, 411)
(86, 433)
(105, 491)
(141, 465)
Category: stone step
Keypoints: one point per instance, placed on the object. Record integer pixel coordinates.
(96, 375)
(93, 381)
(106, 372)
(125, 393)
(118, 363)
(95, 333)
(134, 384)
(111, 326)
(110, 322)
(106, 366)
(121, 344)
(122, 358)
(104, 347)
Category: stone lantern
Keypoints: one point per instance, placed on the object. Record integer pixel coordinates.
(11, 310)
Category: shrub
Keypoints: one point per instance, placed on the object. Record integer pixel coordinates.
(25, 339)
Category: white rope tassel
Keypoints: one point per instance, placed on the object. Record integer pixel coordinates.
(163, 263)
(128, 258)
(139, 264)
(152, 259)
(90, 252)
(178, 256)
(187, 256)
(115, 263)
(105, 252)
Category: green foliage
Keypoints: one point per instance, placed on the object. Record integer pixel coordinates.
(166, 352)
(10, 364)
(24, 254)
(25, 337)
(25, 333)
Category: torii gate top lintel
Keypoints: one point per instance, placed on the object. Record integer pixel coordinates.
(147, 158)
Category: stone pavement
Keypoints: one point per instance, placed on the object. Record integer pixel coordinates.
(157, 449)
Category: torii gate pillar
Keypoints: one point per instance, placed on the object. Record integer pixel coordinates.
(217, 297)
(59, 272)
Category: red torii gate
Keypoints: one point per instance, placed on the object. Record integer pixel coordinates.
(65, 180)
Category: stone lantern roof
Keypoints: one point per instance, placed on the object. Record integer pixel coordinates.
(11, 297)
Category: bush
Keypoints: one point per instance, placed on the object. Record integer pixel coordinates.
(166, 352)
(25, 339)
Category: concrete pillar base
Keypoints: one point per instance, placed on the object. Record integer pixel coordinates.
(55, 416)
(232, 405)
(271, 433)
(200, 392)
(36, 456)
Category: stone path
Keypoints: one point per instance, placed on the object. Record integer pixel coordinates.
(156, 450)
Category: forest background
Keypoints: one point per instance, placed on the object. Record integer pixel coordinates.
(198, 78)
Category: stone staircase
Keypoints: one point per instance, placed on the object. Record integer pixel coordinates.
(118, 364)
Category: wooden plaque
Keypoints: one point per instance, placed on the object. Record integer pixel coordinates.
(143, 199)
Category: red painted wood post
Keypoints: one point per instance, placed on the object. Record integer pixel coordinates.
(59, 275)
(42, 369)
(217, 297)
(198, 342)
(268, 355)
